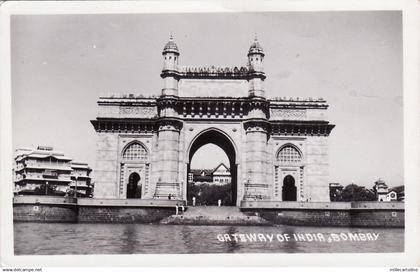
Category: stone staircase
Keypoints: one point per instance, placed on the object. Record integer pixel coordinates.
(213, 215)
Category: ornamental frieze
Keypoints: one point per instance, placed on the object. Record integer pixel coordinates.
(301, 128)
(170, 124)
(256, 126)
(122, 126)
(212, 71)
(287, 114)
(138, 111)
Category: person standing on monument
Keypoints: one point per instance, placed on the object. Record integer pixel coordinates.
(193, 201)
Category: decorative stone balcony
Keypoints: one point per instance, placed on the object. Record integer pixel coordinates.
(213, 72)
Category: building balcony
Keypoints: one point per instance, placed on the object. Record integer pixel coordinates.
(79, 184)
(49, 166)
(73, 176)
(41, 179)
(19, 167)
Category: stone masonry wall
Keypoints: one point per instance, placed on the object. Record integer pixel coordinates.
(44, 213)
(336, 218)
(317, 169)
(213, 88)
(377, 218)
(106, 169)
(308, 217)
(95, 214)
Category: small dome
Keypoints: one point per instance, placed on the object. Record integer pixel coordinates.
(171, 46)
(256, 48)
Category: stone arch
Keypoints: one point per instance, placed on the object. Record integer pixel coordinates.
(203, 132)
(134, 146)
(134, 160)
(222, 140)
(287, 147)
(289, 163)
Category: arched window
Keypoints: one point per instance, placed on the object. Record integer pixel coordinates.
(289, 154)
(135, 152)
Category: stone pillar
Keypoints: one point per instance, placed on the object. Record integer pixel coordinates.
(256, 86)
(256, 185)
(168, 153)
(317, 169)
(106, 168)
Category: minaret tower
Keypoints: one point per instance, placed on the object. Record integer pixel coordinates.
(256, 69)
(256, 127)
(170, 68)
(169, 127)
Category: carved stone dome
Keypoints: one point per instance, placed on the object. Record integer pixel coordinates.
(171, 46)
(256, 48)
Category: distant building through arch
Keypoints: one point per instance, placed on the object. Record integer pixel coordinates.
(217, 175)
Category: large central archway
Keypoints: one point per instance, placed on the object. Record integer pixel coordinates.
(218, 138)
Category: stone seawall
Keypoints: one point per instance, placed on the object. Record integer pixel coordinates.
(377, 218)
(69, 210)
(93, 210)
(340, 214)
(95, 214)
(305, 217)
(88, 210)
(44, 209)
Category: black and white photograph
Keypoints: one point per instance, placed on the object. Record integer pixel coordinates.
(211, 132)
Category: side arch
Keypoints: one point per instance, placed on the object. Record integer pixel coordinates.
(134, 170)
(289, 173)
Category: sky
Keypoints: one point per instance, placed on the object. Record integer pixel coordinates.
(61, 64)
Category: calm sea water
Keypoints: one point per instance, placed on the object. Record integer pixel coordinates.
(57, 239)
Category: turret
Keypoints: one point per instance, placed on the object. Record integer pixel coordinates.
(256, 69)
(170, 68)
(256, 56)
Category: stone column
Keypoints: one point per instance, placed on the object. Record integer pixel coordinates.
(256, 186)
(168, 153)
(317, 169)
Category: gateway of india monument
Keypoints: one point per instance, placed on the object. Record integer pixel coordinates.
(277, 147)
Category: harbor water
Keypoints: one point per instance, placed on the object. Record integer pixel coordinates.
(61, 239)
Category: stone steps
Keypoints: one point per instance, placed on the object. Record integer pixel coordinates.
(213, 211)
(213, 215)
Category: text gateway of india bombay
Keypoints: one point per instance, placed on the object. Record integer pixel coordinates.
(277, 147)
